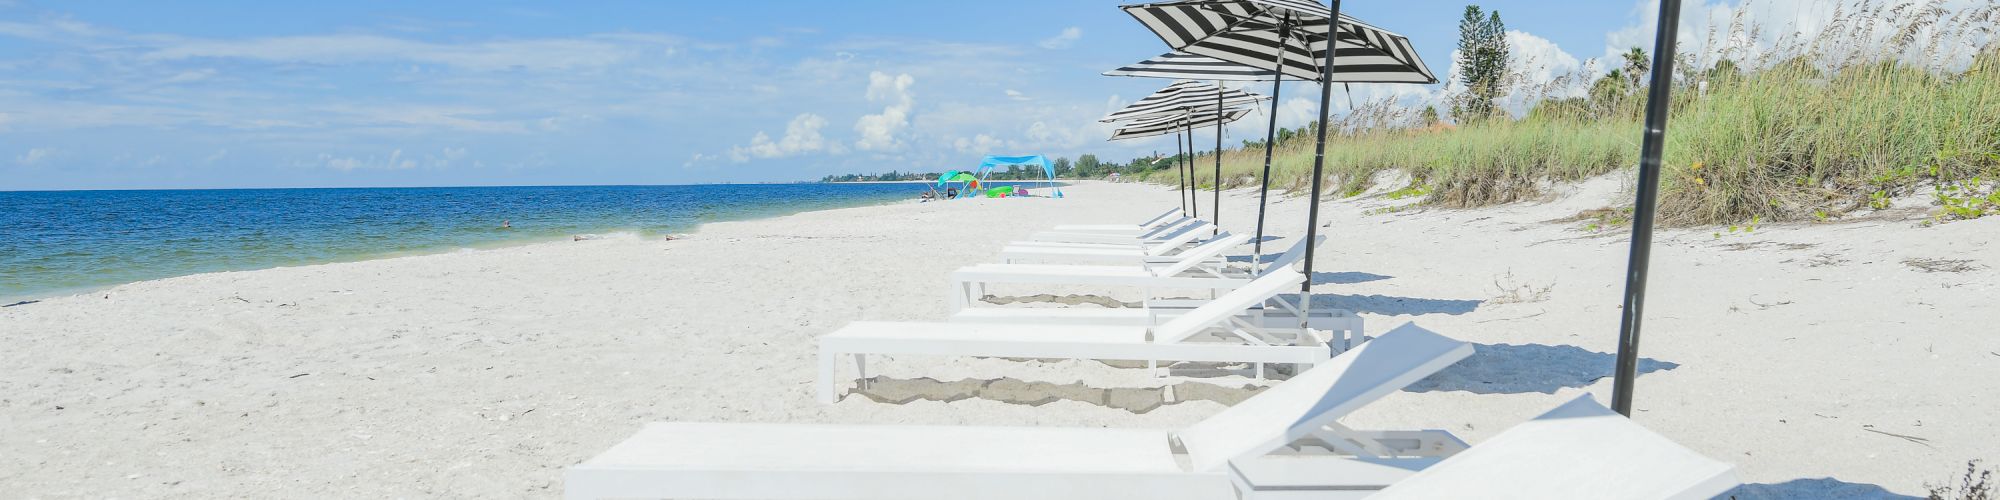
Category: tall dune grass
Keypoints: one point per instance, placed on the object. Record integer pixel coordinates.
(1819, 133)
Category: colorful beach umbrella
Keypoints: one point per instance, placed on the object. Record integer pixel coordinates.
(1650, 147)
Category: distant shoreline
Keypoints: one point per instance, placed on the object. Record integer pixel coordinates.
(439, 238)
(1016, 181)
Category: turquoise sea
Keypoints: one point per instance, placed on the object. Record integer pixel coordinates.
(60, 241)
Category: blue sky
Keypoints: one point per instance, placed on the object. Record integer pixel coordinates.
(128, 94)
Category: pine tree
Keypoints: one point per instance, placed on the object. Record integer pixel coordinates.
(1482, 64)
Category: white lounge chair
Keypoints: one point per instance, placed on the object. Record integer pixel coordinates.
(1278, 316)
(1171, 215)
(1271, 430)
(1155, 233)
(1579, 450)
(1165, 252)
(968, 284)
(1215, 332)
(1180, 235)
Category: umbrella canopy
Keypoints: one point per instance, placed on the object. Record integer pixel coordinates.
(1187, 121)
(1179, 98)
(1171, 124)
(1184, 66)
(956, 176)
(1291, 36)
(1257, 32)
(1281, 38)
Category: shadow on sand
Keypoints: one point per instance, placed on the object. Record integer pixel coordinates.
(1823, 488)
(1015, 391)
(1516, 369)
(1346, 278)
(1390, 306)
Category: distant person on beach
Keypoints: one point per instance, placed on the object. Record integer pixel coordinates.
(927, 196)
(951, 193)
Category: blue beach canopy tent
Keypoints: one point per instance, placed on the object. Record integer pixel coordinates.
(986, 167)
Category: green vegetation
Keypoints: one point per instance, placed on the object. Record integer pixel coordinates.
(1977, 484)
(1809, 135)
(1801, 130)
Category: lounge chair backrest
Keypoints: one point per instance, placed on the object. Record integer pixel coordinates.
(1229, 304)
(1310, 400)
(1179, 240)
(1169, 215)
(1169, 230)
(1294, 254)
(1578, 450)
(1195, 256)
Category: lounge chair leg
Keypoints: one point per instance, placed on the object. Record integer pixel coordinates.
(861, 370)
(1260, 371)
(1153, 367)
(828, 392)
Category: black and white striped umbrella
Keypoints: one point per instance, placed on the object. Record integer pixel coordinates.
(1266, 36)
(1256, 33)
(1178, 123)
(1181, 97)
(1292, 37)
(1184, 66)
(1185, 122)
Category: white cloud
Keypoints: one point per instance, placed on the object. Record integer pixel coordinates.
(882, 131)
(4, 118)
(193, 75)
(541, 54)
(1062, 40)
(696, 159)
(978, 144)
(395, 161)
(218, 155)
(1756, 34)
(1017, 95)
(1297, 111)
(801, 136)
(35, 157)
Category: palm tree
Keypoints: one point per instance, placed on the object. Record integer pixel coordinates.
(1636, 66)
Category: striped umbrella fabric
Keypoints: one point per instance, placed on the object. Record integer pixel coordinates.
(1256, 33)
(1172, 124)
(1184, 66)
(1179, 98)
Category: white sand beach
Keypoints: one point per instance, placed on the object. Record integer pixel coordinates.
(1842, 360)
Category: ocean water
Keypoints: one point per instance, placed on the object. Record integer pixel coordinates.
(63, 241)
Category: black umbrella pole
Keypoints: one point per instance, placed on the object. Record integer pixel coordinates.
(1215, 210)
(1195, 199)
(1270, 144)
(1657, 104)
(1180, 172)
(1319, 150)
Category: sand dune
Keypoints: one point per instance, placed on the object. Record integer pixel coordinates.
(1860, 351)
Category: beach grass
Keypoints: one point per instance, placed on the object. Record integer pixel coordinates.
(1810, 136)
